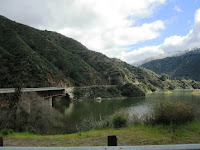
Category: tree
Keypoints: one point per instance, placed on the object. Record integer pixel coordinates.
(164, 77)
(131, 90)
(12, 106)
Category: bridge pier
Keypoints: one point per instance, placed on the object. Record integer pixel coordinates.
(49, 101)
(70, 92)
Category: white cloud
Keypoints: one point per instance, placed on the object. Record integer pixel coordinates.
(178, 9)
(197, 17)
(26, 12)
(170, 44)
(114, 26)
(110, 42)
(104, 25)
(141, 53)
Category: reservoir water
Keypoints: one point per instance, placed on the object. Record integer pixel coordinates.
(66, 117)
(74, 112)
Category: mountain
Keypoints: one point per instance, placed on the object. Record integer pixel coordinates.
(35, 58)
(39, 61)
(162, 56)
(183, 66)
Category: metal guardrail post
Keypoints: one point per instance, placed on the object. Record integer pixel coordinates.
(112, 140)
(1, 141)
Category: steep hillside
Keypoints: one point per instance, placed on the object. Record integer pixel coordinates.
(20, 64)
(72, 67)
(185, 66)
(162, 56)
(36, 58)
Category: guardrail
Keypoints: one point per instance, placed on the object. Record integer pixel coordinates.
(151, 147)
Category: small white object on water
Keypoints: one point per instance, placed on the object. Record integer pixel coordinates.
(98, 98)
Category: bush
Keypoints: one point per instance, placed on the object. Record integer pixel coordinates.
(6, 131)
(171, 87)
(167, 112)
(77, 93)
(164, 77)
(152, 88)
(113, 91)
(92, 123)
(30, 129)
(131, 90)
(119, 121)
(195, 85)
(141, 114)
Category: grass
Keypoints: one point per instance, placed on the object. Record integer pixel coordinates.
(168, 92)
(196, 92)
(131, 135)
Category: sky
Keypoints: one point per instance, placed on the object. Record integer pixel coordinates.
(131, 30)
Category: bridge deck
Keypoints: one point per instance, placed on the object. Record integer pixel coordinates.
(12, 90)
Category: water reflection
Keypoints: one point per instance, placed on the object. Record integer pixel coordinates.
(74, 112)
(70, 109)
(64, 116)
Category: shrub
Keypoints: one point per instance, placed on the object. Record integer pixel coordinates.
(152, 88)
(141, 114)
(6, 131)
(195, 85)
(131, 90)
(171, 87)
(119, 121)
(113, 91)
(77, 93)
(120, 112)
(167, 112)
(164, 77)
(92, 123)
(30, 129)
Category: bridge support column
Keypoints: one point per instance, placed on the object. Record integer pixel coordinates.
(49, 101)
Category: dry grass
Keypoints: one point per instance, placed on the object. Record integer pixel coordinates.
(167, 112)
(92, 123)
(141, 114)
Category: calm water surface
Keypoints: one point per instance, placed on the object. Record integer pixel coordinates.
(66, 117)
(74, 112)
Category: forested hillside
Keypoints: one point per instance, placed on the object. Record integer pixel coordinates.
(185, 66)
(35, 58)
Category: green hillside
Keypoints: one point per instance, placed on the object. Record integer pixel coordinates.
(21, 65)
(185, 66)
(35, 58)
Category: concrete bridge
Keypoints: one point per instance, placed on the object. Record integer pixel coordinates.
(47, 92)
